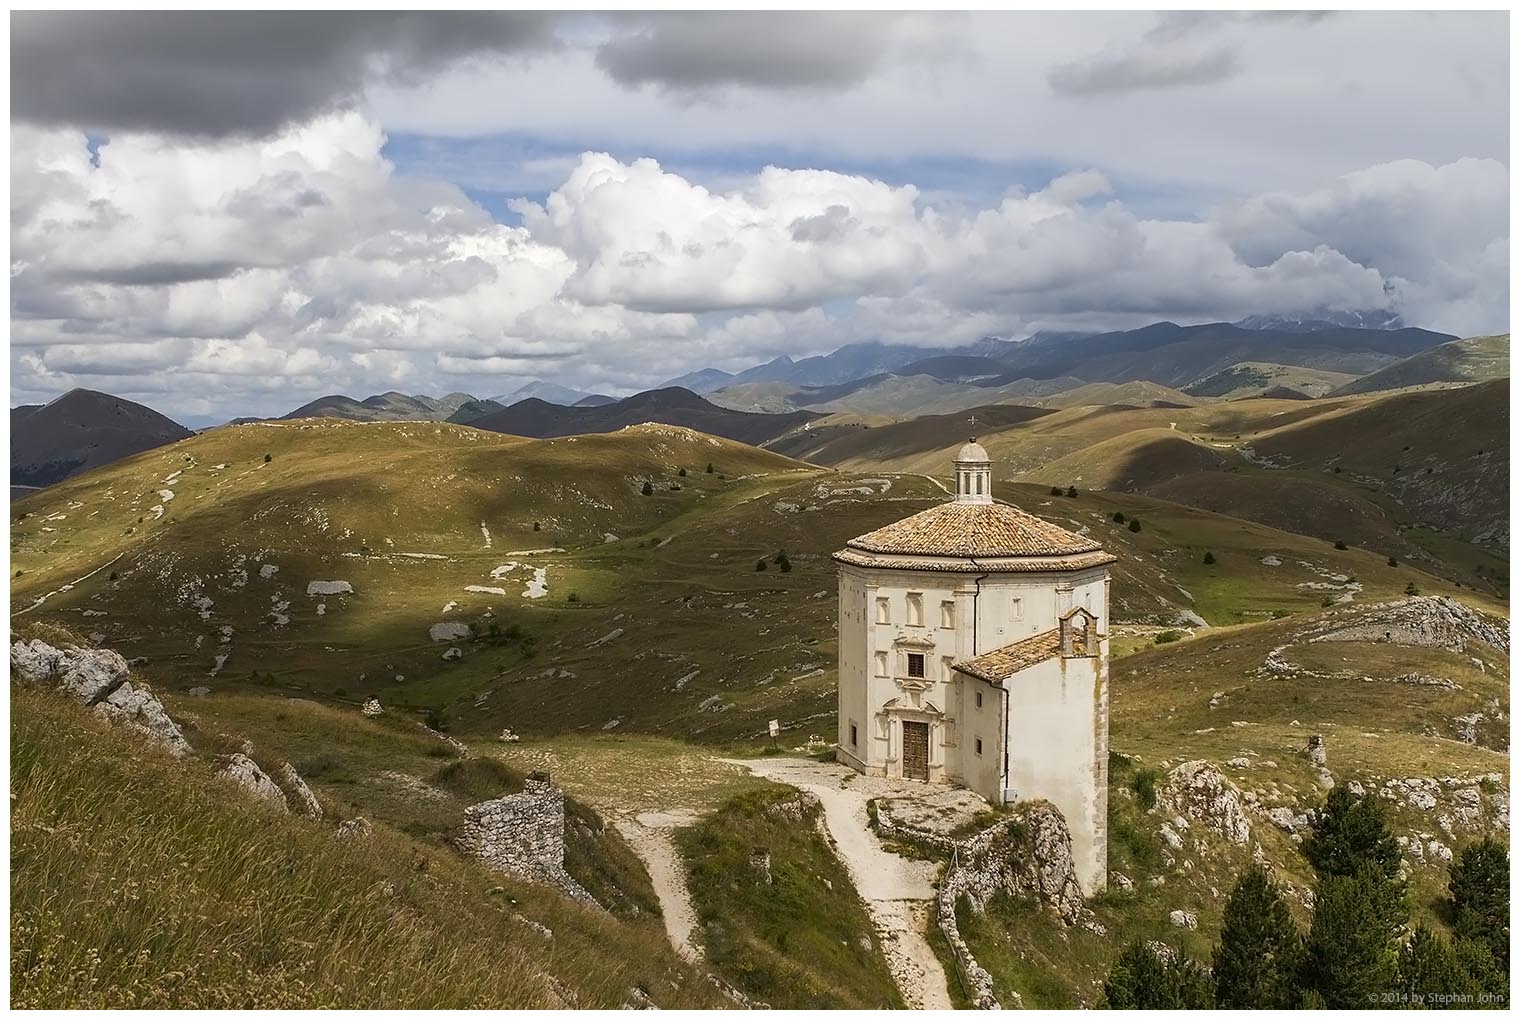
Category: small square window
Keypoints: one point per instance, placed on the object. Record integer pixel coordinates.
(853, 736)
(978, 699)
(916, 664)
(978, 745)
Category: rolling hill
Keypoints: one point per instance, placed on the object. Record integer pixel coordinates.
(1457, 362)
(391, 406)
(81, 430)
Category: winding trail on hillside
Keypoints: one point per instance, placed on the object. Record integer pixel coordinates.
(898, 892)
(69, 586)
(648, 834)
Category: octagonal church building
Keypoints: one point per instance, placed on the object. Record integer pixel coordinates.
(973, 650)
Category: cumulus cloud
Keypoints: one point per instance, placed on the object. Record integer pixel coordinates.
(243, 273)
(237, 72)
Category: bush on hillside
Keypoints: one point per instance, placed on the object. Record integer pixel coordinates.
(682, 472)
(709, 468)
(268, 457)
(1208, 559)
(1393, 561)
(649, 488)
(1118, 516)
(1339, 544)
(759, 565)
(1411, 589)
(1134, 524)
(1071, 491)
(1055, 490)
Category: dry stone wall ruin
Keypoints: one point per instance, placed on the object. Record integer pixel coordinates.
(523, 834)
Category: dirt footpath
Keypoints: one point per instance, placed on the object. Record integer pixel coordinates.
(898, 892)
(648, 833)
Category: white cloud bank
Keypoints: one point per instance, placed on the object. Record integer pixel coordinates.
(234, 275)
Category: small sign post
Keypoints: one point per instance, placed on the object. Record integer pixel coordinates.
(775, 728)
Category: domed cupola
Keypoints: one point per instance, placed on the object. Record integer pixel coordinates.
(973, 474)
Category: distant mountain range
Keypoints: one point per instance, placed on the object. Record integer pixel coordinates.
(1163, 364)
(80, 430)
(670, 405)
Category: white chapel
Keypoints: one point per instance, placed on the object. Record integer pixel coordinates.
(973, 649)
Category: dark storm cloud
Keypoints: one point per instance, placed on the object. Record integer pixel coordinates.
(154, 274)
(1142, 69)
(693, 51)
(236, 73)
(1176, 52)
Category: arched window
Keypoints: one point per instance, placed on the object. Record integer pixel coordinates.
(978, 484)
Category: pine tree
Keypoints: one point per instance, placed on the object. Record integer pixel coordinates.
(1208, 559)
(1258, 956)
(1118, 516)
(709, 468)
(1055, 490)
(1480, 897)
(1134, 524)
(1430, 969)
(1142, 979)
(682, 472)
(1411, 589)
(1071, 490)
(1351, 831)
(649, 488)
(759, 565)
(1349, 956)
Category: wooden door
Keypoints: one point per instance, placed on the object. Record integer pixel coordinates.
(915, 750)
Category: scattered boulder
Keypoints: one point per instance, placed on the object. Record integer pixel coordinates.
(508, 737)
(138, 709)
(329, 588)
(1183, 919)
(372, 707)
(450, 630)
(245, 772)
(199, 692)
(357, 828)
(453, 655)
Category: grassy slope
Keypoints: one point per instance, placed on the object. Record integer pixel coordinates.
(142, 882)
(1474, 359)
(801, 940)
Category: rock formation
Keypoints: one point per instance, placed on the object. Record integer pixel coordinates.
(245, 772)
(98, 677)
(1198, 791)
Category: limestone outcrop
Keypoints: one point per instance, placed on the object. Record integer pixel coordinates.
(245, 772)
(1196, 790)
(99, 678)
(304, 798)
(1431, 621)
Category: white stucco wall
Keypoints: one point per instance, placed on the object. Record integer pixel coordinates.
(1057, 751)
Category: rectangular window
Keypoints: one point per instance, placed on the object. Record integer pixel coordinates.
(881, 663)
(947, 615)
(915, 609)
(978, 745)
(978, 699)
(852, 735)
(1018, 609)
(883, 611)
(916, 664)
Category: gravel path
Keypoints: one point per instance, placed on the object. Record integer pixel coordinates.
(648, 834)
(897, 891)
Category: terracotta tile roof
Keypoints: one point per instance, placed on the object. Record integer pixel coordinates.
(980, 530)
(993, 565)
(996, 666)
